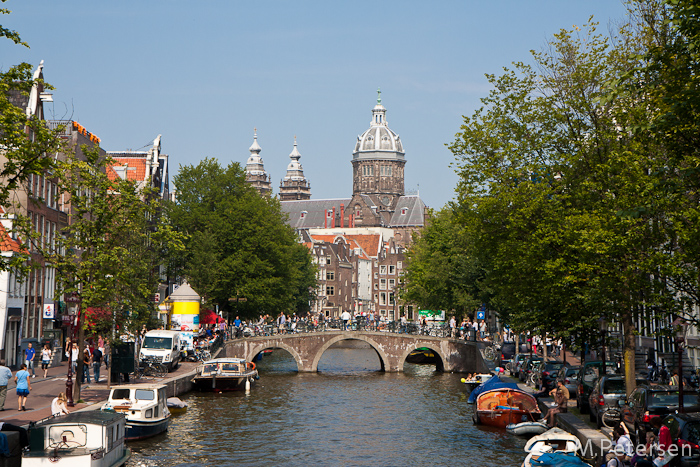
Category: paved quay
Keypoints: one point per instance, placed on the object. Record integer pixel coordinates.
(93, 395)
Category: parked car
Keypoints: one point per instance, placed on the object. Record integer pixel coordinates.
(548, 373)
(687, 425)
(526, 368)
(587, 377)
(516, 363)
(647, 402)
(569, 375)
(606, 395)
(507, 353)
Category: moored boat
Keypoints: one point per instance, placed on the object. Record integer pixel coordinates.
(477, 380)
(143, 405)
(557, 444)
(505, 406)
(176, 405)
(225, 374)
(527, 428)
(78, 439)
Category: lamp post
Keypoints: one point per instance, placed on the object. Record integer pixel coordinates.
(681, 328)
(72, 298)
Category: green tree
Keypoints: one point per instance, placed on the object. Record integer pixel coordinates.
(109, 254)
(239, 244)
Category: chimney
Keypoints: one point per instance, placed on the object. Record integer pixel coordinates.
(333, 226)
(342, 213)
(351, 219)
(325, 219)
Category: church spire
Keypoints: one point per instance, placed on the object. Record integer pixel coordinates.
(255, 173)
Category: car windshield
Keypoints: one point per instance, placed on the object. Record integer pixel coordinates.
(151, 342)
(670, 398)
(553, 366)
(615, 386)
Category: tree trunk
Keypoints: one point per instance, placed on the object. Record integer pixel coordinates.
(628, 351)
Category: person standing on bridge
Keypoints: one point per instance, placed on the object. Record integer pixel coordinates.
(345, 316)
(453, 326)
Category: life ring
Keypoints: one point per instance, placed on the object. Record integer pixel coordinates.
(250, 365)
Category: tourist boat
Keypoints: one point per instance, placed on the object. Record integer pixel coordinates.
(553, 444)
(527, 428)
(504, 406)
(78, 439)
(422, 355)
(144, 406)
(225, 374)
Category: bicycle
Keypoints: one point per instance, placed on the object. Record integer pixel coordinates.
(202, 355)
(491, 352)
(157, 370)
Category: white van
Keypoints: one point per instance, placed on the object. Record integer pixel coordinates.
(162, 347)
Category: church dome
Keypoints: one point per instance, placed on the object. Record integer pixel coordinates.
(379, 141)
(254, 165)
(294, 169)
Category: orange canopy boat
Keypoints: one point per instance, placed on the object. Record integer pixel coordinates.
(501, 407)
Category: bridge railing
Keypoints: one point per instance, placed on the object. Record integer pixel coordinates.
(362, 324)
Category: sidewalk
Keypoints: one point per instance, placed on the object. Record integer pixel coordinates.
(44, 390)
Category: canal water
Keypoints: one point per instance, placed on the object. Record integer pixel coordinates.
(348, 414)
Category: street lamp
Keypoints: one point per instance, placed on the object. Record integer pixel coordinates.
(681, 328)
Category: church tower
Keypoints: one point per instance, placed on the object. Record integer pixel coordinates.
(294, 186)
(378, 162)
(255, 170)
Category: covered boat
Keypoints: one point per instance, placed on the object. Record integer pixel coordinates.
(555, 447)
(527, 428)
(494, 382)
(225, 374)
(78, 439)
(143, 405)
(505, 406)
(422, 355)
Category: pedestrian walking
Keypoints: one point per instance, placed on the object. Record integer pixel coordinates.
(96, 364)
(72, 354)
(87, 361)
(23, 386)
(29, 353)
(45, 359)
(5, 376)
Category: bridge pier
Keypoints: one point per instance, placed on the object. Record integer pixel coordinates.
(392, 349)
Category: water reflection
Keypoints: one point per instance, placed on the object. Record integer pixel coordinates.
(349, 414)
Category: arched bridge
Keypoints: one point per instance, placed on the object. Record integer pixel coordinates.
(307, 348)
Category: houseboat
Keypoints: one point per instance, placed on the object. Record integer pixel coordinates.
(78, 439)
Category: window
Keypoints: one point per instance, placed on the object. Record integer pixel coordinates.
(382, 298)
(392, 283)
(382, 284)
(330, 290)
(303, 214)
(328, 259)
(382, 312)
(399, 264)
(376, 286)
(330, 275)
(392, 269)
(149, 413)
(404, 211)
(382, 269)
(391, 298)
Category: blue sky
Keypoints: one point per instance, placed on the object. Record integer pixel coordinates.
(204, 74)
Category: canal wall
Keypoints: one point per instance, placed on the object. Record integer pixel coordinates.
(595, 443)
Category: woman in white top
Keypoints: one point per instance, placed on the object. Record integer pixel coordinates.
(59, 405)
(45, 359)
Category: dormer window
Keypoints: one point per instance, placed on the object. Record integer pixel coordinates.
(303, 214)
(404, 211)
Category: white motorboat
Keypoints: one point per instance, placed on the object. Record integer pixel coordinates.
(144, 406)
(476, 380)
(554, 440)
(78, 439)
(225, 374)
(527, 428)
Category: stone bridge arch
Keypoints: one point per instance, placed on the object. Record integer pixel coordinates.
(383, 359)
(439, 365)
(252, 353)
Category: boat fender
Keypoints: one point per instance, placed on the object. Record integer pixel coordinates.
(251, 365)
(247, 385)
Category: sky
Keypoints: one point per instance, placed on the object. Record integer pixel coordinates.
(205, 74)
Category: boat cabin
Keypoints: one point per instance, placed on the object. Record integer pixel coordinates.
(78, 439)
(224, 367)
(139, 402)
